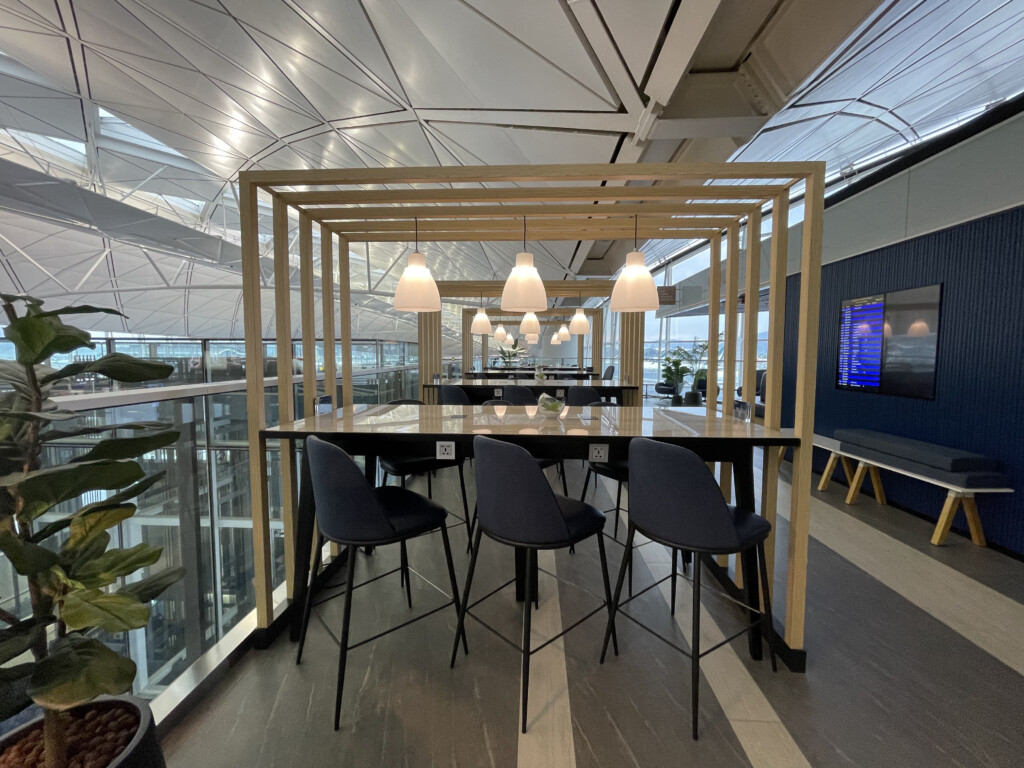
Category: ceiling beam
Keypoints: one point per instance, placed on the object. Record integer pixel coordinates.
(534, 211)
(516, 235)
(554, 288)
(533, 229)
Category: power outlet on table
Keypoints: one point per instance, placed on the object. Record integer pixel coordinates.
(445, 449)
(497, 393)
(599, 452)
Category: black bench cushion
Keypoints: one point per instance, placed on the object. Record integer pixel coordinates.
(959, 479)
(940, 457)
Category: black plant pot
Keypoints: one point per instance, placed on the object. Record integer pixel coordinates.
(143, 751)
(691, 398)
(677, 400)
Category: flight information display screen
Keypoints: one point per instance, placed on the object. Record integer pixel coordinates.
(861, 329)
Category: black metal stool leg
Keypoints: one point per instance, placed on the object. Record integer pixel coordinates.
(531, 575)
(472, 530)
(765, 592)
(586, 482)
(308, 607)
(618, 501)
(343, 655)
(430, 487)
(384, 479)
(403, 481)
(630, 530)
(629, 560)
(695, 646)
(675, 556)
(451, 577)
(565, 486)
(465, 506)
(461, 629)
(607, 588)
(405, 573)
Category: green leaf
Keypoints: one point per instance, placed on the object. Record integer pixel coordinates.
(118, 448)
(27, 558)
(56, 434)
(17, 639)
(76, 559)
(81, 309)
(85, 528)
(43, 489)
(151, 587)
(13, 684)
(117, 366)
(36, 338)
(108, 503)
(105, 569)
(85, 608)
(78, 670)
(23, 415)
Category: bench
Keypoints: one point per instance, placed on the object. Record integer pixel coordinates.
(962, 473)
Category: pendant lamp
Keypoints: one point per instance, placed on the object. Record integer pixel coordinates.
(555, 339)
(563, 333)
(524, 290)
(481, 323)
(579, 326)
(532, 338)
(500, 335)
(416, 290)
(634, 289)
(530, 323)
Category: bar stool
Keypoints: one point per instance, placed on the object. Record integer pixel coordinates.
(579, 396)
(350, 512)
(519, 395)
(449, 394)
(516, 506)
(403, 466)
(675, 501)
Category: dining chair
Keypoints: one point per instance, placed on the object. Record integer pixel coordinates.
(581, 395)
(517, 507)
(349, 511)
(449, 394)
(675, 501)
(515, 394)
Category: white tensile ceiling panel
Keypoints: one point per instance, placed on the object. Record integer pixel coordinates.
(636, 21)
(495, 145)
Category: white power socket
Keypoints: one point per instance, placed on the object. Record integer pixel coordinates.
(445, 449)
(560, 394)
(497, 393)
(599, 452)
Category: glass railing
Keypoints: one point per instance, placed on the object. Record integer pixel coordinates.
(200, 513)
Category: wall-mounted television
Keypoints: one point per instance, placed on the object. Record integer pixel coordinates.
(888, 342)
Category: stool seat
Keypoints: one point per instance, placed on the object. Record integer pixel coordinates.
(616, 470)
(581, 519)
(750, 528)
(408, 512)
(414, 465)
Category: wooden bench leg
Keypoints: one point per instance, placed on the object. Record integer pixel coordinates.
(946, 519)
(857, 482)
(973, 521)
(876, 484)
(826, 476)
(847, 468)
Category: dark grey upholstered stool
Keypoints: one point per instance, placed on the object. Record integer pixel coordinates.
(517, 507)
(675, 501)
(403, 466)
(350, 512)
(519, 395)
(449, 394)
(580, 396)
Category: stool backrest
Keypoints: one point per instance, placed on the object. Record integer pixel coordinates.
(346, 507)
(581, 396)
(518, 395)
(514, 501)
(609, 372)
(449, 394)
(407, 401)
(674, 497)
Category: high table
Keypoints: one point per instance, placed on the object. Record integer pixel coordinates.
(413, 430)
(482, 390)
(527, 373)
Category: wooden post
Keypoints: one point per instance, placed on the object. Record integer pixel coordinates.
(773, 383)
(632, 353)
(309, 393)
(752, 288)
(285, 389)
(345, 323)
(429, 339)
(597, 342)
(255, 408)
(327, 307)
(806, 370)
(483, 351)
(732, 278)
(579, 351)
(467, 339)
(714, 301)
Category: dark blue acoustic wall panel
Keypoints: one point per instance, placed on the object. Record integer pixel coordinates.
(979, 388)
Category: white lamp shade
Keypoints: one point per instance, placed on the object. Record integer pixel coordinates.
(500, 335)
(563, 333)
(499, 411)
(510, 340)
(532, 338)
(579, 325)
(417, 291)
(635, 290)
(530, 323)
(524, 290)
(555, 339)
(481, 323)
(531, 410)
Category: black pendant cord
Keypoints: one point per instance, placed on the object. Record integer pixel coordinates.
(635, 226)
(524, 234)
(416, 225)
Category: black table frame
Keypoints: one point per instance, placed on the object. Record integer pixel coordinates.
(480, 393)
(736, 450)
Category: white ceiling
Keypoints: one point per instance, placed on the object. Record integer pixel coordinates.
(156, 105)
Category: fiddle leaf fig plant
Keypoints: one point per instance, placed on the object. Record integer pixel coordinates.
(75, 579)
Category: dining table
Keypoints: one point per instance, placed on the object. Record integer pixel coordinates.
(482, 390)
(412, 430)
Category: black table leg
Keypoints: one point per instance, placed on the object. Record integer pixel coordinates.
(305, 523)
(743, 479)
(521, 560)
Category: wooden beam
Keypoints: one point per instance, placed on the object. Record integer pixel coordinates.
(255, 409)
(467, 338)
(532, 194)
(345, 323)
(631, 354)
(597, 342)
(534, 211)
(327, 307)
(309, 393)
(529, 173)
(554, 288)
(751, 291)
(806, 372)
(516, 235)
(410, 226)
(714, 302)
(732, 279)
(429, 340)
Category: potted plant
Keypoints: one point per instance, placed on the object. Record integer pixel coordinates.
(75, 580)
(511, 354)
(674, 372)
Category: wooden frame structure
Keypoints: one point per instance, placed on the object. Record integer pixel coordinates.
(702, 200)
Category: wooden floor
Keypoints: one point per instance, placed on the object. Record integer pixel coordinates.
(915, 658)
